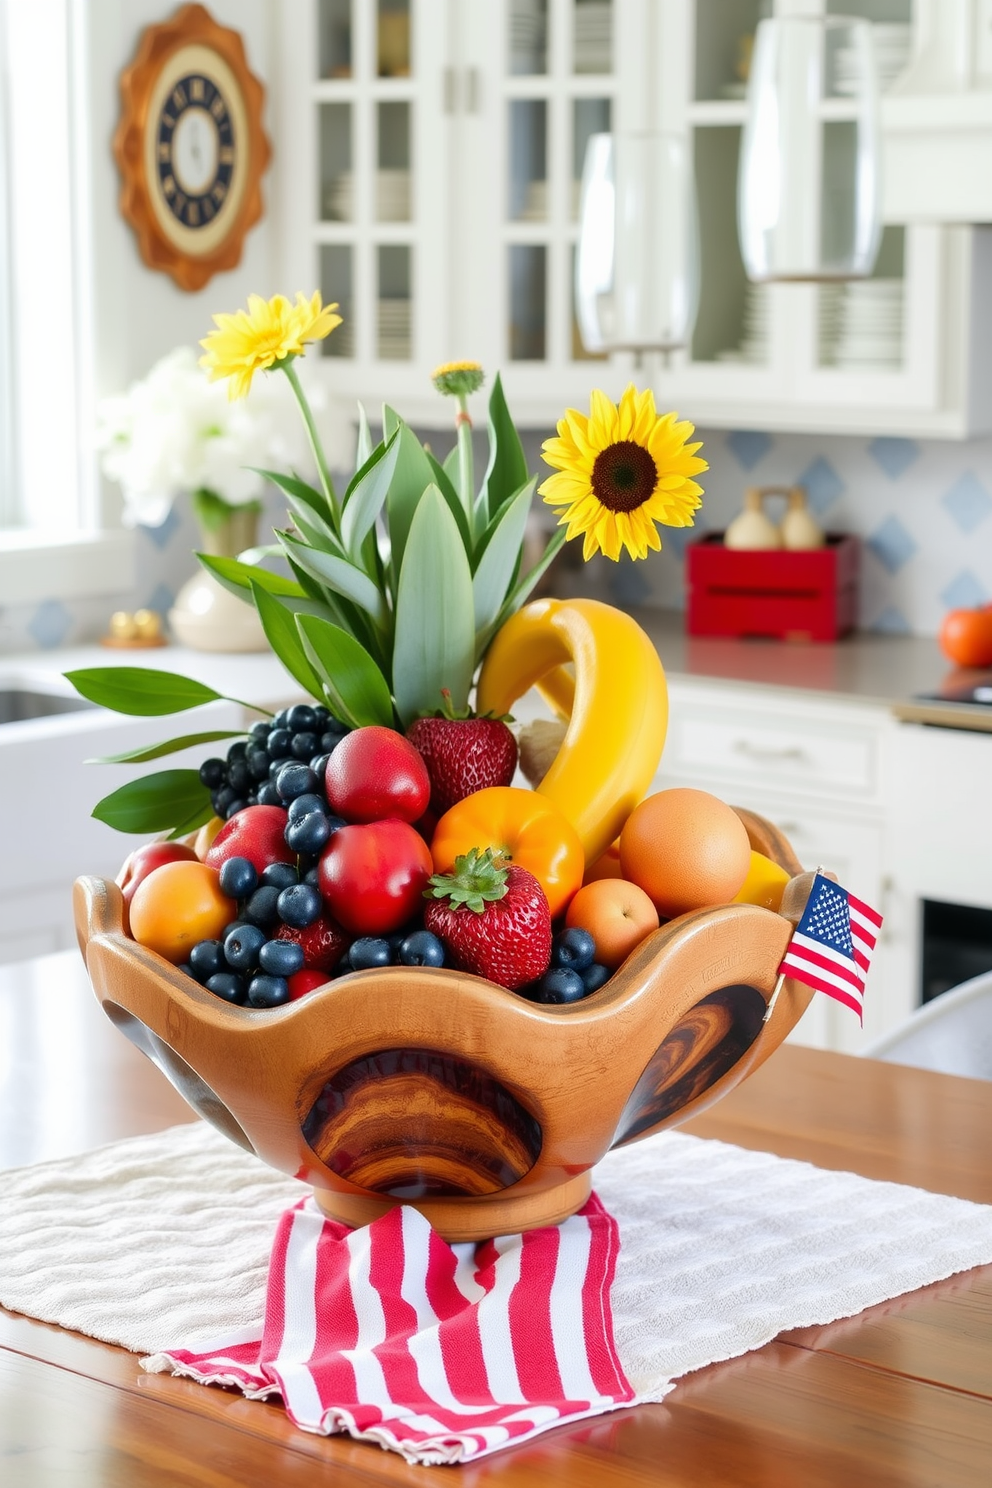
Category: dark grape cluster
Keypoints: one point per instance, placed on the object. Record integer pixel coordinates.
(574, 972)
(302, 734)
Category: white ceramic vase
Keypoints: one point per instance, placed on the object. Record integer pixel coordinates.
(206, 616)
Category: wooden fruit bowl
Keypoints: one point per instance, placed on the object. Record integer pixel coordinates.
(442, 1090)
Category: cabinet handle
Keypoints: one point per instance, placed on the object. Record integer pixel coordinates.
(449, 90)
(769, 756)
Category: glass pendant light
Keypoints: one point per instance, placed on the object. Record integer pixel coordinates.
(637, 267)
(808, 187)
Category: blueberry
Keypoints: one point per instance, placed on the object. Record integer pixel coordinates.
(329, 740)
(187, 970)
(238, 878)
(280, 719)
(299, 905)
(301, 719)
(308, 834)
(260, 730)
(206, 959)
(237, 776)
(237, 752)
(369, 951)
(303, 805)
(267, 991)
(295, 780)
(238, 804)
(573, 948)
(421, 948)
(268, 795)
(318, 765)
(594, 976)
(221, 799)
(279, 875)
(281, 957)
(312, 876)
(241, 947)
(277, 745)
(234, 925)
(304, 745)
(261, 907)
(559, 985)
(228, 986)
(257, 764)
(321, 717)
(213, 773)
(344, 965)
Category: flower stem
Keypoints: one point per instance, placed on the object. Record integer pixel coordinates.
(315, 444)
(466, 470)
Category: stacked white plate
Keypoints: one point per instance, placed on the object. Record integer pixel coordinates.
(392, 195)
(861, 324)
(594, 36)
(893, 44)
(755, 342)
(528, 36)
(394, 329)
(339, 198)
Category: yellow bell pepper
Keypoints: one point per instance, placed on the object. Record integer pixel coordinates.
(616, 706)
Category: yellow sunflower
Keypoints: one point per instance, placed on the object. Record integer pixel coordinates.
(265, 334)
(620, 471)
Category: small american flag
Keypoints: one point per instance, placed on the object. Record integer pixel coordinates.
(831, 947)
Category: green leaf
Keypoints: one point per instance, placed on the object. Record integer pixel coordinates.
(140, 691)
(212, 511)
(500, 556)
(391, 421)
(450, 467)
(340, 575)
(238, 577)
(519, 594)
(301, 490)
(170, 800)
(450, 494)
(411, 477)
(170, 746)
(366, 497)
(354, 686)
(435, 629)
(507, 468)
(279, 625)
(364, 445)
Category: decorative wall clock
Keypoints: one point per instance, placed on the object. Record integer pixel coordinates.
(190, 147)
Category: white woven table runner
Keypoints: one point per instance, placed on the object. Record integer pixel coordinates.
(167, 1237)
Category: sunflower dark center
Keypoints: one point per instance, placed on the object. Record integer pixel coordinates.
(624, 476)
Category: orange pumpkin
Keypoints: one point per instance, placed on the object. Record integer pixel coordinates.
(966, 637)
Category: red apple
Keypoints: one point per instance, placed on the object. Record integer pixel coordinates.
(375, 773)
(373, 875)
(145, 860)
(302, 982)
(256, 833)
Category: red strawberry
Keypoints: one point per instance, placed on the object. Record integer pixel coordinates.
(493, 919)
(463, 755)
(323, 942)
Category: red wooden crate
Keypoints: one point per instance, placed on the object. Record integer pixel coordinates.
(807, 596)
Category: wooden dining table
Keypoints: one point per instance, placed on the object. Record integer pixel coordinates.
(900, 1395)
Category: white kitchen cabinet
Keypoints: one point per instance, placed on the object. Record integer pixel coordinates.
(431, 187)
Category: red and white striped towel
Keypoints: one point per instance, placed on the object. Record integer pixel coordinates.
(441, 1352)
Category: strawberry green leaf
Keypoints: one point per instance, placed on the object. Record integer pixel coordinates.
(354, 686)
(140, 691)
(434, 641)
(169, 746)
(282, 635)
(167, 800)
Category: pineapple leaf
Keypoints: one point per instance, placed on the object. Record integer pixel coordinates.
(354, 686)
(434, 644)
(367, 496)
(340, 575)
(364, 444)
(507, 469)
(282, 635)
(495, 569)
(291, 485)
(237, 577)
(450, 494)
(413, 474)
(520, 592)
(450, 467)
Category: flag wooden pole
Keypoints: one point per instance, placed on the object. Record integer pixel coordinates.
(782, 975)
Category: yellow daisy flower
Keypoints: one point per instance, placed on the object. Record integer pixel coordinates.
(269, 331)
(620, 471)
(458, 379)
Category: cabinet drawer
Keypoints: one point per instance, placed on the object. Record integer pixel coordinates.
(774, 754)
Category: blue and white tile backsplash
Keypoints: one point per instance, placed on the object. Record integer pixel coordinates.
(923, 510)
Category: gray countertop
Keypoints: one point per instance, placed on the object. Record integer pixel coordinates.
(865, 667)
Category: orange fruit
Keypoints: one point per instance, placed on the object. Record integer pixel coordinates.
(686, 849)
(764, 884)
(617, 915)
(177, 905)
(607, 865)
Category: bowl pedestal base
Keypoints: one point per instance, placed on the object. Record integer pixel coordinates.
(465, 1218)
